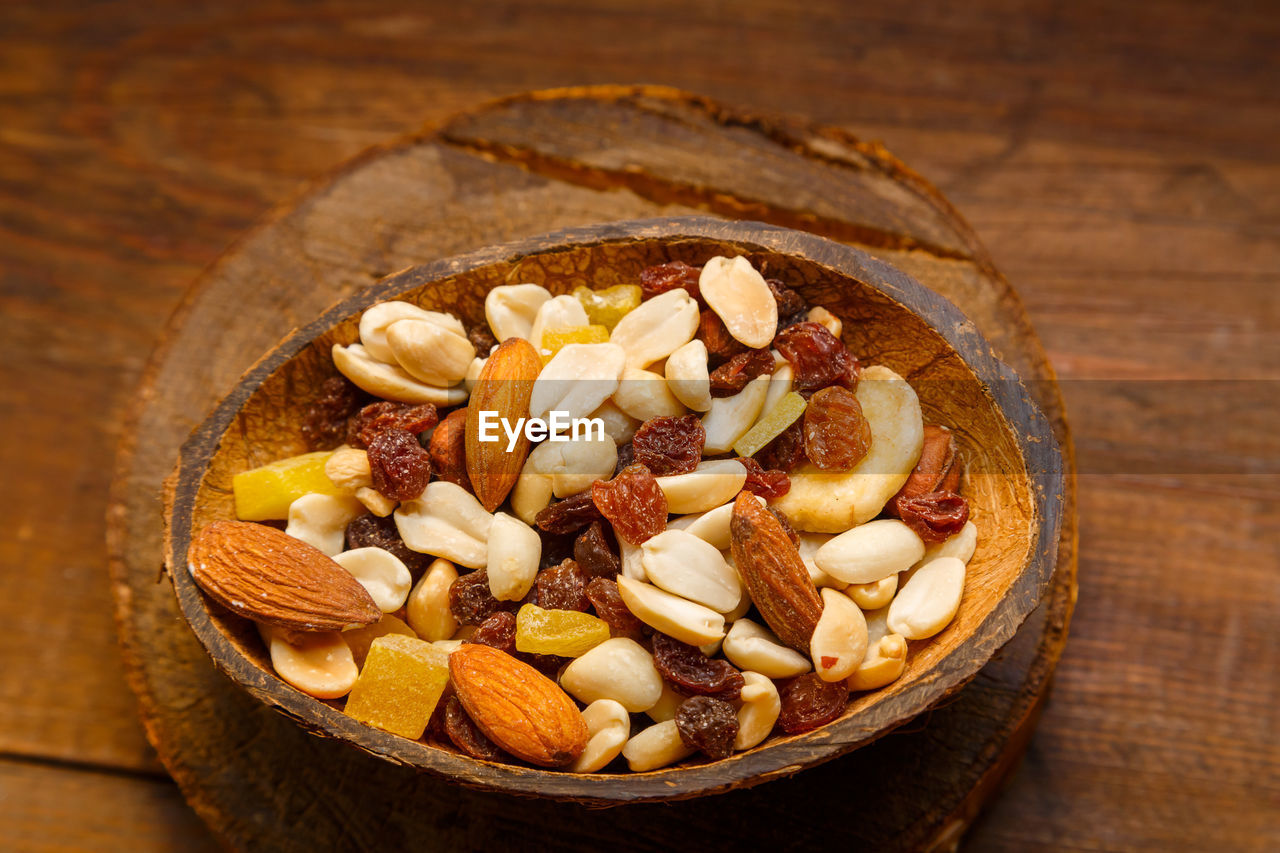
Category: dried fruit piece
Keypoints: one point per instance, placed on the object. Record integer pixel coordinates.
(776, 577)
(265, 493)
(709, 725)
(937, 463)
(448, 449)
(497, 631)
(732, 376)
(610, 607)
(571, 514)
(663, 277)
(809, 702)
(667, 445)
(786, 451)
(566, 633)
(554, 340)
(721, 346)
(374, 418)
(399, 686)
(772, 424)
(504, 388)
(769, 485)
(837, 435)
(562, 588)
(693, 673)
(626, 457)
(470, 600)
(606, 307)
(324, 424)
(400, 467)
(935, 516)
(789, 302)
(371, 531)
(481, 340)
(593, 555)
(817, 356)
(633, 503)
(466, 735)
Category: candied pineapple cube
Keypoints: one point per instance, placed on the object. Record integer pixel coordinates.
(399, 686)
(781, 416)
(606, 307)
(263, 494)
(567, 633)
(553, 340)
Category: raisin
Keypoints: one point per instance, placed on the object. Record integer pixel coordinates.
(786, 322)
(569, 515)
(470, 600)
(836, 433)
(376, 418)
(324, 425)
(593, 555)
(934, 470)
(610, 607)
(732, 376)
(562, 588)
(370, 531)
(667, 445)
(633, 503)
(448, 450)
(789, 302)
(399, 465)
(786, 451)
(556, 548)
(626, 456)
(935, 516)
(770, 485)
(497, 630)
(818, 358)
(849, 379)
(435, 726)
(466, 735)
(708, 725)
(787, 528)
(721, 346)
(692, 673)
(809, 702)
(663, 277)
(480, 338)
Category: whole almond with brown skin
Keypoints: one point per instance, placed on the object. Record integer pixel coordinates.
(268, 576)
(517, 707)
(504, 387)
(775, 575)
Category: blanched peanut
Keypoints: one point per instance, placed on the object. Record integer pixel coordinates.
(559, 312)
(428, 606)
(381, 573)
(839, 642)
(738, 294)
(929, 600)
(760, 708)
(749, 645)
(870, 552)
(360, 639)
(731, 417)
(711, 526)
(873, 596)
(577, 380)
(744, 602)
(656, 329)
(429, 353)
(686, 621)
(619, 669)
(656, 746)
(608, 727)
(390, 381)
(684, 565)
(886, 659)
(319, 664)
(666, 706)
(321, 520)
(644, 395)
(809, 545)
(375, 501)
(446, 521)
(575, 464)
(688, 376)
(514, 551)
(823, 317)
(377, 319)
(961, 546)
(532, 493)
(708, 486)
(348, 468)
(618, 425)
(632, 560)
(473, 373)
(447, 646)
(511, 308)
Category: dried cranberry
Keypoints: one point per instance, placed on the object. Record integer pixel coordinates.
(610, 607)
(934, 517)
(370, 531)
(667, 445)
(818, 358)
(562, 588)
(470, 600)
(836, 434)
(732, 376)
(571, 514)
(663, 277)
(633, 503)
(769, 485)
(324, 425)
(708, 725)
(809, 702)
(399, 465)
(692, 673)
(593, 555)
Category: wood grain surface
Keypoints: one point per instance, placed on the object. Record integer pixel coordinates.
(1120, 164)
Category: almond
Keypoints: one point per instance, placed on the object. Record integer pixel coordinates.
(517, 707)
(504, 388)
(774, 573)
(268, 576)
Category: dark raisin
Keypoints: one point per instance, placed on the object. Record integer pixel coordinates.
(481, 340)
(593, 555)
(789, 302)
(935, 516)
(721, 346)
(562, 588)
(324, 424)
(770, 485)
(633, 503)
(569, 515)
(497, 630)
(448, 450)
(466, 735)
(836, 434)
(809, 702)
(667, 445)
(376, 418)
(789, 320)
(663, 277)
(399, 464)
(818, 358)
(370, 531)
(786, 451)
(470, 600)
(556, 548)
(435, 726)
(786, 525)
(708, 725)
(610, 607)
(626, 456)
(692, 673)
(732, 376)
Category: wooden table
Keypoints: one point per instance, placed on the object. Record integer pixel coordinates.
(1122, 167)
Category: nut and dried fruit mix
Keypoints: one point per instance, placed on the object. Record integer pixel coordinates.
(613, 529)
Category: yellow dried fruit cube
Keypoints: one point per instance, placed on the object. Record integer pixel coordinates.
(781, 416)
(606, 307)
(265, 493)
(555, 339)
(399, 686)
(567, 633)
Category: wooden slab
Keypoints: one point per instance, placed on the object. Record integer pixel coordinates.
(519, 167)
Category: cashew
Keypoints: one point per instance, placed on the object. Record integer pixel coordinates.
(376, 319)
(618, 425)
(321, 520)
(677, 617)
(731, 417)
(514, 551)
(711, 526)
(511, 308)
(375, 501)
(870, 552)
(711, 484)
(348, 468)
(818, 314)
(658, 745)
(360, 639)
(531, 495)
(429, 353)
(688, 375)
(619, 669)
(575, 464)
(632, 560)
(608, 727)
(644, 395)
(750, 645)
(666, 706)
(446, 521)
(559, 312)
(380, 572)
(390, 381)
(760, 708)
(874, 595)
(809, 545)
(929, 600)
(839, 641)
(319, 664)
(656, 329)
(428, 606)
(886, 659)
(577, 380)
(684, 565)
(740, 297)
(832, 502)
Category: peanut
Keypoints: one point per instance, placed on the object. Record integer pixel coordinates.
(886, 659)
(644, 395)
(731, 417)
(666, 706)
(558, 312)
(390, 381)
(429, 353)
(446, 521)
(686, 621)
(684, 565)
(619, 669)
(656, 746)
(711, 526)
(532, 493)
(873, 596)
(870, 552)
(377, 319)
(574, 465)
(618, 425)
(656, 329)
(514, 551)
(687, 374)
(822, 316)
(511, 308)
(321, 520)
(608, 726)
(381, 573)
(760, 708)
(839, 643)
(809, 545)
(752, 646)
(319, 664)
(738, 294)
(427, 609)
(577, 380)
(929, 600)
(712, 484)
(375, 501)
(632, 560)
(348, 468)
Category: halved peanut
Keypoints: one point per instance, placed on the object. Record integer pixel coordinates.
(348, 468)
(608, 727)
(929, 600)
(839, 641)
(666, 706)
(390, 381)
(319, 664)
(688, 375)
(644, 395)
(808, 548)
(818, 314)
(656, 746)
(961, 546)
(885, 661)
(750, 645)
(779, 385)
(514, 551)
(619, 669)
(618, 425)
(741, 299)
(760, 708)
(874, 595)
(731, 417)
(375, 501)
(870, 552)
(684, 565)
(559, 312)
(511, 308)
(672, 615)
(381, 573)
(711, 526)
(430, 353)
(575, 464)
(321, 520)
(532, 493)
(577, 380)
(712, 484)
(446, 521)
(632, 560)
(474, 369)
(377, 319)
(656, 329)
(427, 609)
